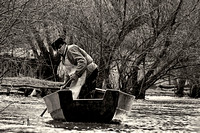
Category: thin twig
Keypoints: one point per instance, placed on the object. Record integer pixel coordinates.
(7, 106)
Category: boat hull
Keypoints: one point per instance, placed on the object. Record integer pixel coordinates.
(62, 107)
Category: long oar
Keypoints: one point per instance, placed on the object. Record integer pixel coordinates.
(69, 81)
(43, 112)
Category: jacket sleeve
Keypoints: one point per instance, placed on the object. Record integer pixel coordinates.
(78, 59)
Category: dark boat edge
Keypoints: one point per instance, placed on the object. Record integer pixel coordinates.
(102, 108)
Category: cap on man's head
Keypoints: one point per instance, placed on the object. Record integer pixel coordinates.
(58, 44)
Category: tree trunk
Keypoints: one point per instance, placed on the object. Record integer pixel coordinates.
(195, 88)
(141, 94)
(195, 91)
(103, 76)
(180, 88)
(48, 63)
(135, 88)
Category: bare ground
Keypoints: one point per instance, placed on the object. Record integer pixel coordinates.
(156, 113)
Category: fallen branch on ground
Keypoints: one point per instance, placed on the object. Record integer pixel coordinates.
(30, 86)
(28, 82)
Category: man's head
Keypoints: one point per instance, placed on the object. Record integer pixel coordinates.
(58, 44)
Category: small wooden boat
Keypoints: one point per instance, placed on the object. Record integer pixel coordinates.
(101, 108)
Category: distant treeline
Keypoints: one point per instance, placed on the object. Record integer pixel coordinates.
(17, 66)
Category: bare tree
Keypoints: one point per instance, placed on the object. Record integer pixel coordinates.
(144, 40)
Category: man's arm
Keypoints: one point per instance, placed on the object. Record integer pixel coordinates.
(76, 58)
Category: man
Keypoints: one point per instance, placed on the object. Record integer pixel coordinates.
(83, 62)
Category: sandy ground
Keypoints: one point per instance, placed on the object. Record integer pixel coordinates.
(19, 114)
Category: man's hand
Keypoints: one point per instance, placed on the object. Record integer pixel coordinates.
(62, 87)
(65, 85)
(73, 77)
